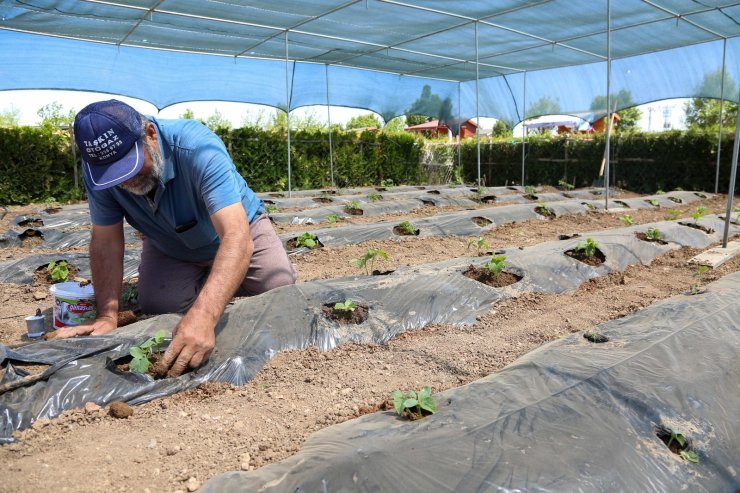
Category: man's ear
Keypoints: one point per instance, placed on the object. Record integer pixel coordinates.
(151, 132)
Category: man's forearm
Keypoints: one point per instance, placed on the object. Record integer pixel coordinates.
(106, 262)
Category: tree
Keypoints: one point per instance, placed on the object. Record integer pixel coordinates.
(309, 121)
(363, 121)
(629, 115)
(258, 119)
(52, 115)
(544, 106)
(188, 115)
(703, 113)
(412, 120)
(431, 106)
(217, 121)
(397, 124)
(501, 129)
(10, 116)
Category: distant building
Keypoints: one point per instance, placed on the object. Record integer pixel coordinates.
(435, 129)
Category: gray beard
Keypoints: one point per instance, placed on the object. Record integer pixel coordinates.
(145, 184)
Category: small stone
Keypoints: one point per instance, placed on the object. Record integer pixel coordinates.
(192, 484)
(152, 443)
(120, 410)
(172, 450)
(39, 295)
(91, 407)
(244, 459)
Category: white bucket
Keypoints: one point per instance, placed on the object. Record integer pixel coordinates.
(73, 304)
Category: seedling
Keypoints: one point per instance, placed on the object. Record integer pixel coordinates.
(58, 270)
(407, 227)
(347, 306)
(496, 265)
(413, 404)
(678, 189)
(673, 214)
(387, 183)
(687, 455)
(659, 192)
(352, 205)
(627, 220)
(565, 185)
(307, 240)
(588, 247)
(271, 208)
(699, 274)
(332, 218)
(654, 202)
(374, 196)
(529, 190)
(589, 205)
(367, 260)
(130, 295)
(141, 354)
(653, 234)
(700, 212)
(480, 245)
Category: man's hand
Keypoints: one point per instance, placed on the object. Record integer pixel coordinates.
(192, 343)
(100, 326)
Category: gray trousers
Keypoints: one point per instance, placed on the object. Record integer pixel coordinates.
(169, 285)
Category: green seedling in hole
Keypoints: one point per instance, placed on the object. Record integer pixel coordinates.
(374, 196)
(141, 354)
(130, 295)
(413, 403)
(587, 246)
(367, 260)
(700, 212)
(58, 270)
(271, 208)
(699, 274)
(387, 183)
(307, 240)
(352, 205)
(496, 265)
(565, 185)
(673, 214)
(678, 189)
(660, 192)
(590, 206)
(627, 220)
(653, 202)
(347, 306)
(332, 218)
(480, 245)
(529, 190)
(687, 455)
(408, 227)
(653, 234)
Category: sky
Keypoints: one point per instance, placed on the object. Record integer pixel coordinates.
(661, 115)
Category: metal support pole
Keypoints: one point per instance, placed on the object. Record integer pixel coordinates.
(721, 108)
(608, 101)
(524, 118)
(287, 108)
(328, 117)
(459, 130)
(477, 103)
(733, 176)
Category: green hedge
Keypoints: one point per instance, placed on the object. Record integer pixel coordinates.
(36, 164)
(639, 162)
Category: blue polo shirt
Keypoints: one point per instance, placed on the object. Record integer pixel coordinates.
(198, 179)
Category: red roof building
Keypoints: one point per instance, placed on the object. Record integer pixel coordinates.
(435, 129)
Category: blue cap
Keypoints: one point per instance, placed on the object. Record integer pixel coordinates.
(108, 134)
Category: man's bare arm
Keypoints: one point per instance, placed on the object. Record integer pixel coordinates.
(194, 337)
(106, 262)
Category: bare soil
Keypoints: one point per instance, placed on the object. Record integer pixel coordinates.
(177, 442)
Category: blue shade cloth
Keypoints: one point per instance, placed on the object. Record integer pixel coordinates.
(393, 58)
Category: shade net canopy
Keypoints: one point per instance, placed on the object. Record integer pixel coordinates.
(508, 59)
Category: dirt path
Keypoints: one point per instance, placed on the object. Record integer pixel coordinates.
(178, 442)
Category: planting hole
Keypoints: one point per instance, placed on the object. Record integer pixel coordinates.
(268, 202)
(596, 192)
(488, 199)
(32, 222)
(708, 231)
(512, 188)
(545, 211)
(328, 192)
(531, 196)
(277, 195)
(381, 189)
(644, 237)
(595, 337)
(568, 237)
(701, 195)
(52, 210)
(482, 221)
(566, 195)
(353, 211)
(296, 243)
(622, 204)
(421, 188)
(494, 280)
(677, 443)
(434, 192)
(399, 231)
(676, 200)
(428, 202)
(597, 258)
(355, 317)
(322, 200)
